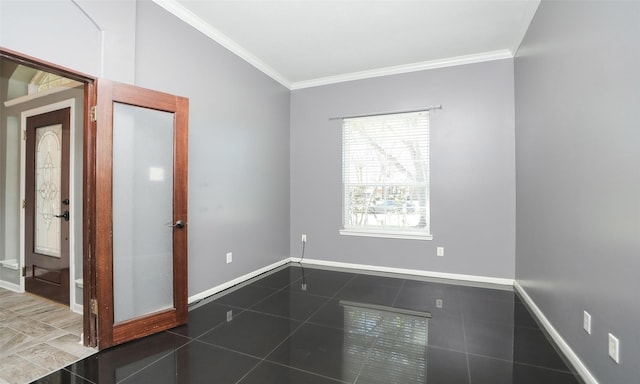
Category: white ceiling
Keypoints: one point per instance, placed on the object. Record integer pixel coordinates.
(303, 43)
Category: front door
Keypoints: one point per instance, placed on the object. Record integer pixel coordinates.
(47, 205)
(140, 212)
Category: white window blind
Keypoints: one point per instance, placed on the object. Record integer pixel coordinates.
(386, 175)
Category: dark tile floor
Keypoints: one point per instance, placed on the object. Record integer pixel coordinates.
(339, 327)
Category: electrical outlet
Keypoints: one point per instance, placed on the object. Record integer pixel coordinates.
(229, 315)
(614, 348)
(229, 257)
(586, 322)
(439, 303)
(304, 238)
(439, 251)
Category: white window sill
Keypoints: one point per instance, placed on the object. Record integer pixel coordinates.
(387, 235)
(10, 264)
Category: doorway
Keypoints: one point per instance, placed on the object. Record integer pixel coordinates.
(58, 250)
(29, 94)
(121, 246)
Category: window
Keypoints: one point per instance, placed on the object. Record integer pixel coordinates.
(44, 81)
(385, 164)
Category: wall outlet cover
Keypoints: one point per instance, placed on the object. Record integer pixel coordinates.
(586, 322)
(614, 348)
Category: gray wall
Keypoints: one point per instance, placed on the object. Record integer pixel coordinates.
(238, 147)
(239, 119)
(577, 83)
(472, 169)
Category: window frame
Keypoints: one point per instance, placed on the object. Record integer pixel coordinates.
(389, 231)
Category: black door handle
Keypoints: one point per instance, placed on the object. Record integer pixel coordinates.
(64, 216)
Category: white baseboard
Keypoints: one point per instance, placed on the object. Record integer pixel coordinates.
(363, 267)
(11, 286)
(231, 283)
(413, 272)
(555, 335)
(78, 308)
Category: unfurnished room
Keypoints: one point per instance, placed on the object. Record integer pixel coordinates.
(307, 191)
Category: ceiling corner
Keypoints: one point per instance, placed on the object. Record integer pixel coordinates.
(528, 14)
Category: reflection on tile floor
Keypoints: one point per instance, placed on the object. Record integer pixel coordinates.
(321, 326)
(37, 337)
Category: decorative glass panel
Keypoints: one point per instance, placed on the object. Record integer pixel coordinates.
(48, 183)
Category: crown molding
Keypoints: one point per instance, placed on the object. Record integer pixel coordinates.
(421, 66)
(178, 10)
(174, 7)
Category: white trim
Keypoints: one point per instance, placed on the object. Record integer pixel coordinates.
(386, 235)
(236, 281)
(23, 178)
(71, 104)
(421, 66)
(583, 371)
(178, 10)
(78, 308)
(404, 271)
(11, 286)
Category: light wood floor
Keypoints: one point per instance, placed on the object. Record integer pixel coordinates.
(37, 337)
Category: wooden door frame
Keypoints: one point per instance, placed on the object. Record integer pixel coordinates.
(110, 93)
(89, 180)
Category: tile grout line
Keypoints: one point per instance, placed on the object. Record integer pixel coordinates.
(243, 310)
(37, 305)
(393, 304)
(464, 337)
(78, 375)
(189, 341)
(364, 361)
(302, 323)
